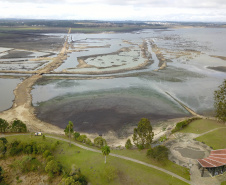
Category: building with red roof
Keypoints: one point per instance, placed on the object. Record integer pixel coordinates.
(215, 163)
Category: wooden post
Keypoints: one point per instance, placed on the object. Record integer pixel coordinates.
(202, 171)
(213, 172)
(223, 169)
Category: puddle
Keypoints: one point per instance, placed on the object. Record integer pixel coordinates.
(190, 152)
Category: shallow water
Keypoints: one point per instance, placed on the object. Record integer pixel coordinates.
(103, 105)
(6, 92)
(111, 104)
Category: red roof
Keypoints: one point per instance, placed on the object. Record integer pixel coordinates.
(215, 159)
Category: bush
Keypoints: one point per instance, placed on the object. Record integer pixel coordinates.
(53, 168)
(30, 148)
(4, 140)
(49, 158)
(88, 142)
(183, 124)
(75, 177)
(46, 154)
(41, 148)
(128, 144)
(100, 142)
(76, 135)
(1, 175)
(16, 148)
(27, 164)
(3, 146)
(163, 138)
(159, 153)
(82, 138)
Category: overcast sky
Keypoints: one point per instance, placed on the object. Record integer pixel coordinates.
(147, 10)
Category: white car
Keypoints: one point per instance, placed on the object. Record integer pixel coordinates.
(38, 133)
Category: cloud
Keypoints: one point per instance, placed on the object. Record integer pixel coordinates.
(141, 3)
(159, 10)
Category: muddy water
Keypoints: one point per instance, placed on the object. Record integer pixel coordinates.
(6, 92)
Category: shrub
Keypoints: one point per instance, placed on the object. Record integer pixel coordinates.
(4, 140)
(53, 168)
(41, 148)
(160, 153)
(128, 144)
(75, 177)
(163, 138)
(183, 124)
(100, 142)
(27, 164)
(49, 158)
(76, 135)
(16, 148)
(1, 175)
(46, 154)
(88, 141)
(82, 138)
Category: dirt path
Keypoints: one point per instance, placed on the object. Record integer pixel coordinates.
(22, 107)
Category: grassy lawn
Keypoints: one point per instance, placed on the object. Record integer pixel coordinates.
(93, 167)
(216, 139)
(141, 155)
(201, 126)
(168, 165)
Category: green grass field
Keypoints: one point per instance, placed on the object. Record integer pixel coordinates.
(201, 126)
(168, 165)
(216, 139)
(93, 167)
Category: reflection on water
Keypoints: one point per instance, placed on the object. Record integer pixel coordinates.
(6, 92)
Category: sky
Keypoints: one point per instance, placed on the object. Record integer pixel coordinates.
(145, 10)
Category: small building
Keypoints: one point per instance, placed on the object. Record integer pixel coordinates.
(215, 163)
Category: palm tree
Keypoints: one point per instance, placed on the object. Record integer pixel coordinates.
(105, 151)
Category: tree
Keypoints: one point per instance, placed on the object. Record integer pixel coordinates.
(99, 142)
(128, 144)
(220, 102)
(160, 153)
(3, 125)
(69, 130)
(105, 151)
(143, 135)
(18, 126)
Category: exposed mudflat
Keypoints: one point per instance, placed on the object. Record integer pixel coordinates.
(100, 114)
